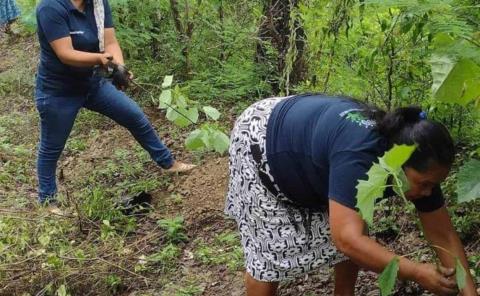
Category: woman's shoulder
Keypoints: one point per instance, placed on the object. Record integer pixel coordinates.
(60, 6)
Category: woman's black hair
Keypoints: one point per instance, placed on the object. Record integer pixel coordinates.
(408, 125)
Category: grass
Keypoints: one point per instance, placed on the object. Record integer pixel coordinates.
(224, 250)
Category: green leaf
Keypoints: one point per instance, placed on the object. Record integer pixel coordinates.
(62, 291)
(187, 116)
(167, 81)
(388, 277)
(211, 112)
(221, 142)
(194, 140)
(460, 274)
(441, 66)
(457, 84)
(165, 99)
(181, 101)
(207, 136)
(471, 90)
(393, 159)
(442, 40)
(368, 191)
(468, 182)
(44, 240)
(172, 114)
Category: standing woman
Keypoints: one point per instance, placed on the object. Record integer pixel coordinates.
(294, 167)
(75, 36)
(9, 12)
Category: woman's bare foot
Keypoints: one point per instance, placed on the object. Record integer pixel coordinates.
(180, 167)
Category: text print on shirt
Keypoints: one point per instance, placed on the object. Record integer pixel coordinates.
(356, 116)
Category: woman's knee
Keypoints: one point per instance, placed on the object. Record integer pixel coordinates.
(50, 151)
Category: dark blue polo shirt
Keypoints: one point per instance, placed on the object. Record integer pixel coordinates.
(318, 148)
(58, 19)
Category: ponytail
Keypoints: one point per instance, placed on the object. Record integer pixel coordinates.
(408, 125)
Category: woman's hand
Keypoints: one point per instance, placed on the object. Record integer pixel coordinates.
(435, 280)
(104, 58)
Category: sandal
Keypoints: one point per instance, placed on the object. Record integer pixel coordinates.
(180, 167)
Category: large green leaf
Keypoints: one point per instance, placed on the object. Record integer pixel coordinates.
(441, 66)
(181, 100)
(394, 158)
(172, 114)
(442, 40)
(194, 140)
(211, 112)
(221, 142)
(457, 84)
(167, 81)
(186, 116)
(468, 183)
(371, 189)
(471, 90)
(460, 274)
(388, 277)
(165, 99)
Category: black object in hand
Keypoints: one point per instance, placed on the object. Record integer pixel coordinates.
(120, 76)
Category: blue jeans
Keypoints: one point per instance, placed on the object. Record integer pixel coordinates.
(58, 113)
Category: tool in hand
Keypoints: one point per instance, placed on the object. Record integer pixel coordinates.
(120, 76)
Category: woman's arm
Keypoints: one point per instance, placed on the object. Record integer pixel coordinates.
(112, 46)
(347, 230)
(439, 231)
(64, 50)
(348, 234)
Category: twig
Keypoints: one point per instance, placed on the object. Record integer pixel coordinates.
(22, 218)
(19, 262)
(107, 262)
(445, 250)
(124, 269)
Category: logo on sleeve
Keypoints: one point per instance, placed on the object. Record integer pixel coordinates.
(77, 33)
(356, 116)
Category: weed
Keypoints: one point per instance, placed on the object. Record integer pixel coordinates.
(225, 250)
(76, 145)
(166, 258)
(97, 205)
(190, 290)
(175, 230)
(114, 282)
(176, 198)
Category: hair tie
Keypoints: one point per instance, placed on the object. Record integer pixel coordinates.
(422, 115)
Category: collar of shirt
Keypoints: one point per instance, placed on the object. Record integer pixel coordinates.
(72, 7)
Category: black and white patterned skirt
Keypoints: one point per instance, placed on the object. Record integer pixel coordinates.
(279, 240)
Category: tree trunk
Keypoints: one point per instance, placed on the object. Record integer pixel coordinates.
(221, 16)
(275, 30)
(185, 31)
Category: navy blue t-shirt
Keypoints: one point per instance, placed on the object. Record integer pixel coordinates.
(58, 19)
(318, 148)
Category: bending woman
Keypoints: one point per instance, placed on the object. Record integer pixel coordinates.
(70, 48)
(294, 166)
